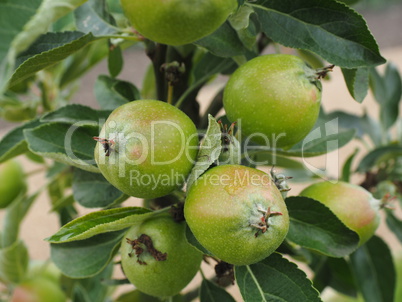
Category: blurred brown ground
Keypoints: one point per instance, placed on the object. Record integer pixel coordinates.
(386, 27)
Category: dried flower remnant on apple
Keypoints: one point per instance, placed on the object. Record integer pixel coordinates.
(144, 244)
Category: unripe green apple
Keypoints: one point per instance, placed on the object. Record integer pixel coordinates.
(352, 204)
(39, 289)
(157, 258)
(275, 99)
(12, 182)
(137, 296)
(237, 213)
(147, 148)
(177, 22)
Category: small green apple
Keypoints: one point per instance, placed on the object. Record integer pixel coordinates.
(237, 213)
(147, 148)
(12, 182)
(352, 204)
(177, 22)
(275, 99)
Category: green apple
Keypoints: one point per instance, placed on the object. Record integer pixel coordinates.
(275, 99)
(147, 148)
(12, 182)
(237, 213)
(177, 22)
(163, 276)
(352, 204)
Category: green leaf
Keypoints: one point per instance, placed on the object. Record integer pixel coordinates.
(64, 143)
(13, 217)
(63, 23)
(321, 140)
(314, 226)
(14, 262)
(92, 17)
(312, 59)
(394, 224)
(112, 93)
(264, 158)
(93, 289)
(349, 2)
(224, 42)
(115, 60)
(48, 50)
(79, 293)
(79, 63)
(378, 155)
(245, 22)
(10, 26)
(63, 202)
(347, 121)
(99, 222)
(374, 271)
(210, 65)
(347, 166)
(334, 272)
(15, 110)
(372, 128)
(341, 276)
(328, 28)
(48, 12)
(210, 292)
(34, 158)
(357, 81)
(274, 279)
(210, 149)
(92, 190)
(14, 143)
(77, 114)
(325, 137)
(387, 92)
(86, 258)
(303, 175)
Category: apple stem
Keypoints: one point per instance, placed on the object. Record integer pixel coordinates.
(170, 93)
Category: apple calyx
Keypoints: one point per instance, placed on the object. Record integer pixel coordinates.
(173, 71)
(321, 73)
(108, 144)
(387, 200)
(263, 224)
